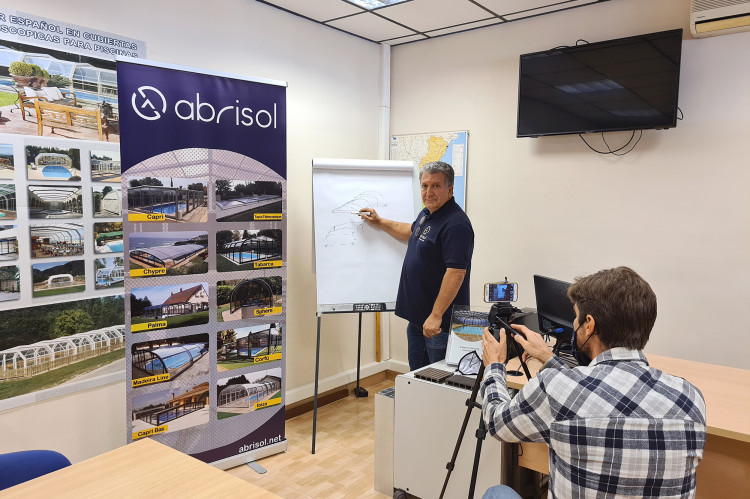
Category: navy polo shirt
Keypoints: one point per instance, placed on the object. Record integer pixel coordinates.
(444, 240)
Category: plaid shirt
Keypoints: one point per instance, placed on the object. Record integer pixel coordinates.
(616, 428)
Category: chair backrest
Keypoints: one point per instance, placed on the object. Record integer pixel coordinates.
(19, 467)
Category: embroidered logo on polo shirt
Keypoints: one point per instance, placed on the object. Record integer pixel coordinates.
(424, 233)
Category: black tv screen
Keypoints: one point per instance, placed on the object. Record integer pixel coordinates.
(625, 84)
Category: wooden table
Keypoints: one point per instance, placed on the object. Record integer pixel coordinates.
(725, 466)
(144, 468)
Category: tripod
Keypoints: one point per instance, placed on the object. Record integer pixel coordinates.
(471, 403)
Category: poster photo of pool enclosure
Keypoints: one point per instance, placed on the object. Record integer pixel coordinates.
(52, 163)
(10, 283)
(105, 166)
(168, 253)
(248, 298)
(243, 347)
(107, 201)
(7, 202)
(58, 278)
(177, 199)
(55, 201)
(248, 249)
(79, 90)
(159, 361)
(176, 407)
(248, 392)
(8, 242)
(7, 166)
(167, 307)
(241, 200)
(108, 237)
(109, 272)
(50, 240)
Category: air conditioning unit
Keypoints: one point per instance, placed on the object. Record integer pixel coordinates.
(719, 17)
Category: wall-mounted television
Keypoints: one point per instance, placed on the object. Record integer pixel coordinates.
(625, 84)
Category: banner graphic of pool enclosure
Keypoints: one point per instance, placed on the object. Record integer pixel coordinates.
(109, 204)
(249, 296)
(7, 201)
(110, 276)
(29, 360)
(264, 340)
(173, 408)
(56, 240)
(55, 201)
(53, 165)
(8, 242)
(166, 256)
(246, 395)
(172, 202)
(173, 359)
(252, 250)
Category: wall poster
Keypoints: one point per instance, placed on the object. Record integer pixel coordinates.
(204, 222)
(62, 299)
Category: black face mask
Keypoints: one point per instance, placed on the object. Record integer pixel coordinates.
(582, 358)
(469, 363)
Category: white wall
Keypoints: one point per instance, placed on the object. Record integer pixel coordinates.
(332, 103)
(675, 209)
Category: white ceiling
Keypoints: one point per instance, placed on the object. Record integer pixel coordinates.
(415, 20)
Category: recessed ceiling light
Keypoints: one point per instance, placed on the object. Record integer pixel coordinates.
(374, 4)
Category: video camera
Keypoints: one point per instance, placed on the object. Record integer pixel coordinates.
(500, 318)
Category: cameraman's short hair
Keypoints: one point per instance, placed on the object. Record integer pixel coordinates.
(439, 167)
(621, 302)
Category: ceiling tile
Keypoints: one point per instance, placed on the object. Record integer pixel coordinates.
(465, 27)
(405, 39)
(549, 8)
(502, 7)
(319, 10)
(370, 26)
(426, 15)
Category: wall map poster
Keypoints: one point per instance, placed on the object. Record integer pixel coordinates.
(204, 231)
(423, 148)
(62, 305)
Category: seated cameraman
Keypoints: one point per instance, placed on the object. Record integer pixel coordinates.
(615, 427)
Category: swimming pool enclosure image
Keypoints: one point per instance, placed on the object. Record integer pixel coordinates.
(251, 249)
(246, 395)
(60, 281)
(56, 240)
(7, 201)
(29, 360)
(173, 202)
(250, 295)
(55, 201)
(266, 341)
(177, 407)
(53, 165)
(109, 205)
(174, 359)
(167, 256)
(105, 166)
(9, 280)
(110, 276)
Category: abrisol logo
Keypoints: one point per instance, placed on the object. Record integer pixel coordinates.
(147, 93)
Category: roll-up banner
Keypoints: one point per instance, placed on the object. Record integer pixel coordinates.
(204, 227)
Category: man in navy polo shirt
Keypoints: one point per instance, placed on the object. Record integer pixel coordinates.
(437, 265)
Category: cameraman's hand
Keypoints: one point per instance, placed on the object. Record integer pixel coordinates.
(534, 345)
(493, 350)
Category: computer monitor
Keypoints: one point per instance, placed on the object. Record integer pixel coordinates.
(553, 306)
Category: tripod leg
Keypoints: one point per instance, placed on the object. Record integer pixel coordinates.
(481, 433)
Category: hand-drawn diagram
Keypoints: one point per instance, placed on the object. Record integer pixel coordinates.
(347, 233)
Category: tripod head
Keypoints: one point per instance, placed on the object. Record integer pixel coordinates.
(500, 318)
